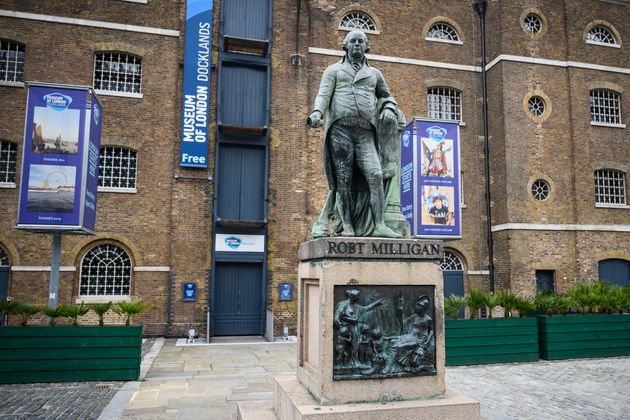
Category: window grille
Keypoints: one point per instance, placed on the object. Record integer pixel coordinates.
(4, 258)
(105, 271)
(357, 20)
(536, 105)
(602, 35)
(532, 23)
(117, 167)
(442, 31)
(8, 161)
(11, 61)
(610, 187)
(444, 104)
(540, 190)
(605, 106)
(117, 72)
(451, 262)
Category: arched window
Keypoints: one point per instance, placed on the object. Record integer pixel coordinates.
(540, 190)
(444, 104)
(451, 262)
(117, 168)
(605, 106)
(118, 73)
(600, 34)
(4, 258)
(11, 61)
(357, 19)
(610, 187)
(8, 161)
(105, 271)
(442, 31)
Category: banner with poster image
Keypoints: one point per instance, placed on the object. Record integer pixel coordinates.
(430, 177)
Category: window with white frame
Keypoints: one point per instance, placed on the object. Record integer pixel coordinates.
(610, 187)
(532, 23)
(605, 106)
(451, 262)
(357, 20)
(443, 32)
(105, 271)
(117, 168)
(540, 190)
(444, 104)
(8, 161)
(11, 61)
(600, 34)
(117, 72)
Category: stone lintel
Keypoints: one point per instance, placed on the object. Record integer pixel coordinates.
(371, 248)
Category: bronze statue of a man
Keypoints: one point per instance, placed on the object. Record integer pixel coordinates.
(356, 100)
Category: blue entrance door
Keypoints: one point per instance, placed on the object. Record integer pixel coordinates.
(614, 271)
(4, 287)
(238, 299)
(454, 285)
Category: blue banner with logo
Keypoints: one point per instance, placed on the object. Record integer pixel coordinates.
(196, 89)
(56, 159)
(92, 157)
(430, 178)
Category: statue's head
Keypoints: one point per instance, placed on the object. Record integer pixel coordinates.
(352, 295)
(422, 304)
(359, 39)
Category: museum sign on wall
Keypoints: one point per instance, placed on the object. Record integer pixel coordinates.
(60, 160)
(430, 178)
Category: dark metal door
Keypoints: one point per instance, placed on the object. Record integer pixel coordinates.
(454, 285)
(614, 272)
(238, 299)
(4, 287)
(544, 280)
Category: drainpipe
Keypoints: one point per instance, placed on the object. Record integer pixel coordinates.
(480, 8)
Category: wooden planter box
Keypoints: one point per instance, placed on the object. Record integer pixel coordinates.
(482, 341)
(69, 353)
(577, 336)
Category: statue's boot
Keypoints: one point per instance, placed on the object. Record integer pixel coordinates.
(381, 230)
(344, 203)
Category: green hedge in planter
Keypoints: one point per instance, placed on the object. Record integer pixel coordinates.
(70, 353)
(578, 336)
(499, 340)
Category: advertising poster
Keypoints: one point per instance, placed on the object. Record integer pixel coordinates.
(92, 161)
(55, 157)
(430, 176)
(196, 88)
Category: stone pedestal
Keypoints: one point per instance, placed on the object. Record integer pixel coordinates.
(332, 383)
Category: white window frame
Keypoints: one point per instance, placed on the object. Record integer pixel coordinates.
(14, 44)
(603, 178)
(448, 93)
(616, 115)
(107, 92)
(365, 15)
(87, 298)
(614, 44)
(118, 189)
(536, 194)
(4, 171)
(458, 41)
(526, 26)
(453, 260)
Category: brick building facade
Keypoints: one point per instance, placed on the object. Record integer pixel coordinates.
(558, 142)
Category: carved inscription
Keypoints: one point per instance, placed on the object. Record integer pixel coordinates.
(383, 248)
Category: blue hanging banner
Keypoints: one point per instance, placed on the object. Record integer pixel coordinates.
(196, 90)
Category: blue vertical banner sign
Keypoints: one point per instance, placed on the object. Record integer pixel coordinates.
(196, 89)
(430, 178)
(61, 153)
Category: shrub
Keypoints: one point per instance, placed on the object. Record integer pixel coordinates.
(453, 305)
(53, 314)
(508, 300)
(73, 312)
(546, 301)
(24, 311)
(475, 299)
(524, 306)
(6, 307)
(491, 301)
(130, 309)
(101, 309)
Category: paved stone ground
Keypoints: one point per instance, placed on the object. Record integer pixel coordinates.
(567, 389)
(63, 400)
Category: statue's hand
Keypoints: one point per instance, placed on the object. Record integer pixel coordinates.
(388, 117)
(315, 120)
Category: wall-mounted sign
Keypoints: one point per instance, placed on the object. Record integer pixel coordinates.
(189, 292)
(60, 163)
(239, 243)
(430, 178)
(286, 291)
(196, 88)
